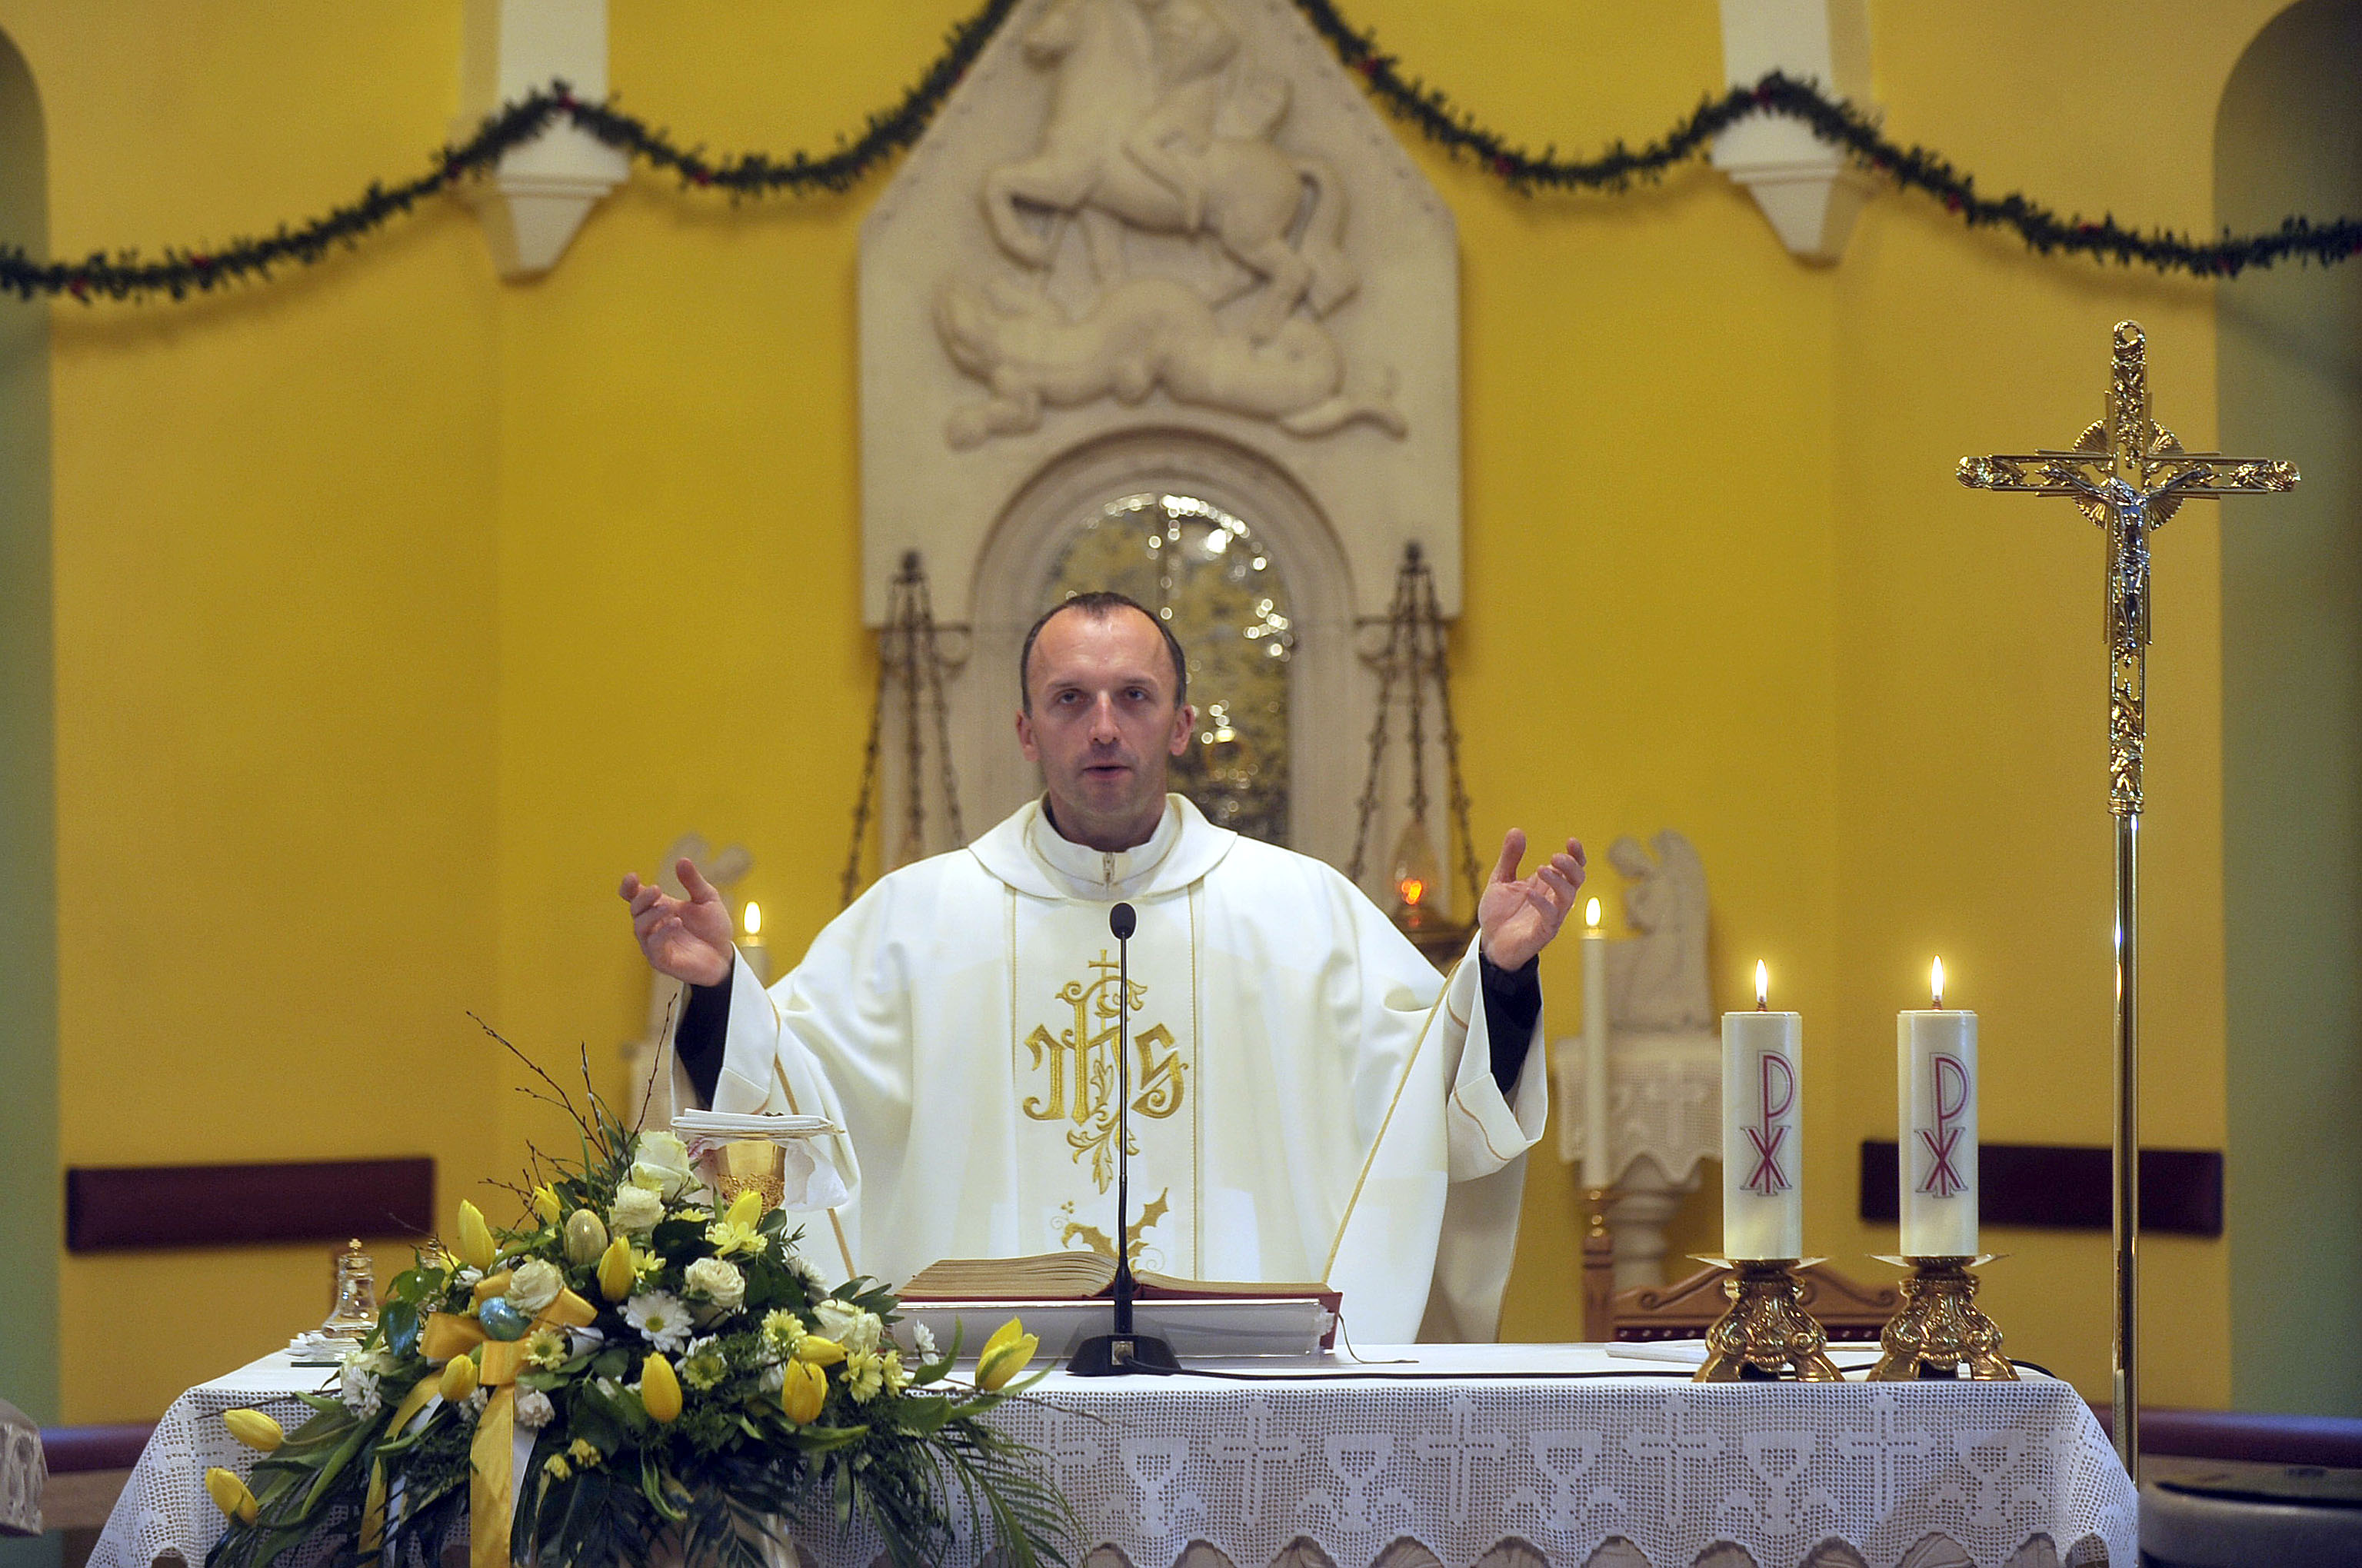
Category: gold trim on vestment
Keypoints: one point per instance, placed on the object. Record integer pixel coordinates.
(1418, 1046)
(1197, 1121)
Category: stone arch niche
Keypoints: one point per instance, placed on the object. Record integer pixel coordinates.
(1329, 690)
(1160, 244)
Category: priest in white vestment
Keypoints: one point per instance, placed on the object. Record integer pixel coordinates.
(1310, 1101)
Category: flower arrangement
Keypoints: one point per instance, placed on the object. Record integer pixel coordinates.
(635, 1369)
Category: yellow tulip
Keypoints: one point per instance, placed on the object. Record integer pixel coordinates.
(804, 1392)
(254, 1428)
(476, 1248)
(660, 1390)
(745, 1208)
(819, 1351)
(230, 1496)
(459, 1379)
(1005, 1355)
(545, 1203)
(616, 1274)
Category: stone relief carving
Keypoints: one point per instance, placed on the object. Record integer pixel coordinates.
(1160, 124)
(1656, 980)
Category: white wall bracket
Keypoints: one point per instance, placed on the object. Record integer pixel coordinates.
(1811, 191)
(535, 200)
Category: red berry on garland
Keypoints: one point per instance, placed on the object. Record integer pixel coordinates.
(1503, 165)
(1368, 66)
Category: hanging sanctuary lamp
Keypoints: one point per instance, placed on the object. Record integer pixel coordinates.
(1413, 658)
(909, 657)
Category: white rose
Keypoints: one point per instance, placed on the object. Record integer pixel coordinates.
(534, 1285)
(637, 1210)
(717, 1281)
(660, 1164)
(533, 1410)
(848, 1325)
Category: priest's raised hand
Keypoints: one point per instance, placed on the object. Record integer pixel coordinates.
(1518, 915)
(691, 938)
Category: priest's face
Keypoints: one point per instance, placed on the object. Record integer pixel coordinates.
(1103, 725)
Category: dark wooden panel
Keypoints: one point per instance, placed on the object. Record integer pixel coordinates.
(2054, 1187)
(124, 1208)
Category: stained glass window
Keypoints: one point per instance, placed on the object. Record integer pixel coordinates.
(1205, 574)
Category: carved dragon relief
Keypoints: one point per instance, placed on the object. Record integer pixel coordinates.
(1158, 125)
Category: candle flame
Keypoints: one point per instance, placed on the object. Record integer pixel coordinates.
(754, 917)
(1591, 914)
(1936, 983)
(1412, 889)
(1762, 985)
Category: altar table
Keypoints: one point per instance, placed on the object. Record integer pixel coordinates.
(1506, 1456)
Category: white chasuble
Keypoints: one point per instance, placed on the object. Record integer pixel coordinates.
(1309, 1100)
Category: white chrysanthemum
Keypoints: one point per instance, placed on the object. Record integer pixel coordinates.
(477, 1401)
(660, 1318)
(806, 1275)
(358, 1377)
(719, 1282)
(848, 1325)
(637, 1210)
(772, 1378)
(533, 1409)
(922, 1340)
(466, 1278)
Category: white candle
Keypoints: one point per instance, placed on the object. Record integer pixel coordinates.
(1762, 1136)
(1936, 1075)
(1596, 1170)
(757, 952)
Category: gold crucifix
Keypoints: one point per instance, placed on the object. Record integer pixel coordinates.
(2128, 474)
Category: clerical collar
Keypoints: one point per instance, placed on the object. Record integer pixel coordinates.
(1098, 873)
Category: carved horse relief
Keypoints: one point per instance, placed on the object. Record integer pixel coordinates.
(1157, 124)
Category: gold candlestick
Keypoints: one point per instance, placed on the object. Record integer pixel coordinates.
(1767, 1328)
(1941, 1326)
(1599, 1267)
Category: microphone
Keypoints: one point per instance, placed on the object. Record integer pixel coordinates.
(1122, 1352)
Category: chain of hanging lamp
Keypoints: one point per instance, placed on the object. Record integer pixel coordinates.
(1415, 654)
(907, 656)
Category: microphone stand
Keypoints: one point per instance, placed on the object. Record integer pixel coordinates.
(1122, 1352)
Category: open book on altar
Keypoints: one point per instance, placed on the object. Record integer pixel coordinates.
(1064, 1298)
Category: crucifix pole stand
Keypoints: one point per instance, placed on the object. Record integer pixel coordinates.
(2128, 475)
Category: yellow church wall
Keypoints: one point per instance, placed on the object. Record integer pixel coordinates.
(275, 652)
(423, 605)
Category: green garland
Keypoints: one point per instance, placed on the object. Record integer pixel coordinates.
(179, 272)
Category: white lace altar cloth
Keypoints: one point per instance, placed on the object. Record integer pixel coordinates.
(1506, 1456)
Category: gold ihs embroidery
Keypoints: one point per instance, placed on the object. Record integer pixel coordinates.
(1080, 1062)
